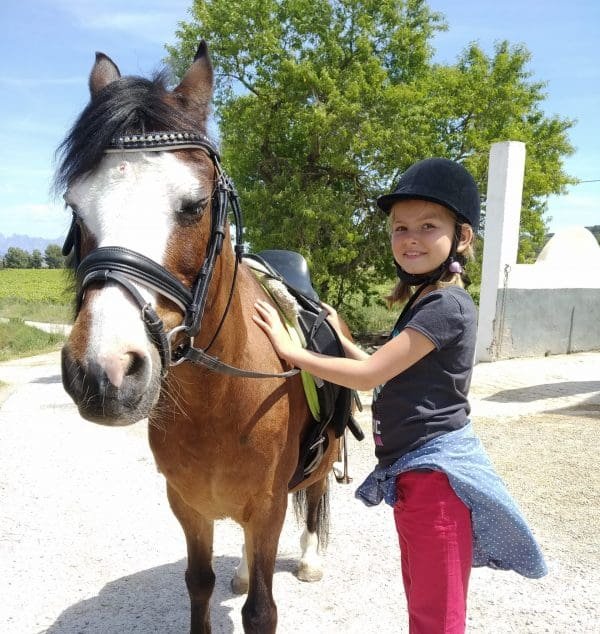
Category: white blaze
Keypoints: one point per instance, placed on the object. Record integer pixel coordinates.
(131, 200)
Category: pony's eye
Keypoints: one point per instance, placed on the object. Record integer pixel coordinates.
(193, 207)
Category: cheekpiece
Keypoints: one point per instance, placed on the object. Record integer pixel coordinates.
(161, 141)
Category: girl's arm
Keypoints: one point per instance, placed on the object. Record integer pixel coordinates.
(360, 374)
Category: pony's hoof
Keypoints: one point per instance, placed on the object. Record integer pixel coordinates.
(306, 572)
(239, 586)
(338, 470)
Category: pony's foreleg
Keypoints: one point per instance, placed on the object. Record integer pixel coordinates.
(261, 533)
(199, 576)
(314, 537)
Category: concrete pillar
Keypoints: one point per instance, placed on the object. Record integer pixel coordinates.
(502, 218)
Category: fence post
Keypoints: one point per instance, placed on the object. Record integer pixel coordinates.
(502, 219)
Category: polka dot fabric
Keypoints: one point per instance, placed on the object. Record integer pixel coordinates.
(501, 537)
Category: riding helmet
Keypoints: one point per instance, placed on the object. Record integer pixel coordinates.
(438, 180)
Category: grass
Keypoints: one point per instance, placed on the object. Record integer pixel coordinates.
(20, 340)
(50, 285)
(37, 295)
(31, 310)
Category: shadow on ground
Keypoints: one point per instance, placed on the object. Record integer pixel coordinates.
(544, 391)
(48, 380)
(153, 601)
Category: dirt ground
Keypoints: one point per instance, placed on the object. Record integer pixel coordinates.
(89, 545)
(548, 462)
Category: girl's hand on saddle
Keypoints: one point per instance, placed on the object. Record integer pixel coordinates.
(269, 320)
(333, 318)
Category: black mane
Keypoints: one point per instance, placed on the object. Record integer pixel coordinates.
(127, 105)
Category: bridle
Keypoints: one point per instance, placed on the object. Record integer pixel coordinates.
(125, 267)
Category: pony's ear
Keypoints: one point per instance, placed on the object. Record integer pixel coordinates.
(104, 72)
(197, 84)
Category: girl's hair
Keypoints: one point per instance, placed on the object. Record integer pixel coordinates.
(402, 291)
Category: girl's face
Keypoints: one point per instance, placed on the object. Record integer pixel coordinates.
(422, 234)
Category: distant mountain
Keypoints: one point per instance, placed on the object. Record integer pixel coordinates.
(27, 243)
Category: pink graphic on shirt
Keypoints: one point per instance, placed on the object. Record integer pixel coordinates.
(377, 433)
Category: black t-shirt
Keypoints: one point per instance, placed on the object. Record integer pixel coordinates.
(431, 397)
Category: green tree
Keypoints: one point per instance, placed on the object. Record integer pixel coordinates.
(36, 260)
(16, 258)
(53, 257)
(482, 100)
(321, 105)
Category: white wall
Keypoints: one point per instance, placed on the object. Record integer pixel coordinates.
(550, 307)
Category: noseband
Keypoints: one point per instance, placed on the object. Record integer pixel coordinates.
(125, 267)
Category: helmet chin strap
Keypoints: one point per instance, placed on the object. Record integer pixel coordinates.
(414, 279)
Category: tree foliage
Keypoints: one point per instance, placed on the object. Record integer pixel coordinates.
(36, 261)
(321, 104)
(16, 258)
(53, 257)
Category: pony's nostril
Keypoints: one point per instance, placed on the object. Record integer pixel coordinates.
(136, 364)
(118, 366)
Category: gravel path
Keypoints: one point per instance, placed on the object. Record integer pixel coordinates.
(89, 545)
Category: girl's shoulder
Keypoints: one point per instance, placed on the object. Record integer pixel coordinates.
(450, 298)
(447, 316)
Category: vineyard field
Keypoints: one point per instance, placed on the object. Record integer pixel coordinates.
(52, 286)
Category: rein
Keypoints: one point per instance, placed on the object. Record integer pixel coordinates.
(124, 266)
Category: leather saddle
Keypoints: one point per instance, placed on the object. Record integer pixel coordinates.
(335, 401)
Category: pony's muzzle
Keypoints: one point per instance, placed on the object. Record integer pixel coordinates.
(113, 389)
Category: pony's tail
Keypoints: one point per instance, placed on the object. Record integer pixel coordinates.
(311, 505)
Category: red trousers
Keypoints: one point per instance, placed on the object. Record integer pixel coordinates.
(434, 529)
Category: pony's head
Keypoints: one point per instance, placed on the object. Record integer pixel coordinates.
(137, 198)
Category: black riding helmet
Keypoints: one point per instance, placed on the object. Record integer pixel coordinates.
(442, 181)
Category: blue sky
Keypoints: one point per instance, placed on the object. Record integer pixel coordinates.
(47, 50)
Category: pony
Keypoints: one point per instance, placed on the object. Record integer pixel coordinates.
(163, 329)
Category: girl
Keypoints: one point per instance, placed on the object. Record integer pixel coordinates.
(451, 509)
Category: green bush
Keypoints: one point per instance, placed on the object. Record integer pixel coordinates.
(373, 316)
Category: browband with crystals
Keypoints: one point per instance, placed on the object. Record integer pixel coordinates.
(160, 141)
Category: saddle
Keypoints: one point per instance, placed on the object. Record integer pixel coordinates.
(334, 401)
